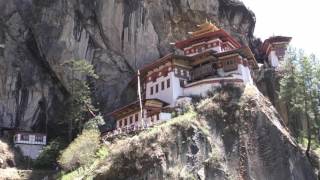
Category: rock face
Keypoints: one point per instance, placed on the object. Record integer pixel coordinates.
(116, 36)
(234, 135)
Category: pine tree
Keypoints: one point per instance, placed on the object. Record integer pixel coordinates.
(80, 100)
(300, 91)
(288, 91)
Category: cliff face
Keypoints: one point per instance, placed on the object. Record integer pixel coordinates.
(116, 36)
(236, 134)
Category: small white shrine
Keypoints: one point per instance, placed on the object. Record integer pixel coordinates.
(30, 144)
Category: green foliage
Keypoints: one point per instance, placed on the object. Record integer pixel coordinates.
(102, 152)
(299, 89)
(80, 102)
(49, 154)
(94, 123)
(81, 152)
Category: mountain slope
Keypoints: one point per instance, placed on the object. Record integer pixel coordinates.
(236, 134)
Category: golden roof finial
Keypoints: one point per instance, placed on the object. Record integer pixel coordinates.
(205, 28)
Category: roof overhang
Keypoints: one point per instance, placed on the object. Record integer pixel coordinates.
(221, 34)
(274, 40)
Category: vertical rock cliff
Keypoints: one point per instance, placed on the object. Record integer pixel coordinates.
(116, 36)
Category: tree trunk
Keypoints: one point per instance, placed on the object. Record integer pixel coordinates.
(70, 130)
(308, 123)
(309, 137)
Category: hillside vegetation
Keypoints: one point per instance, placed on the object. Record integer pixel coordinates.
(233, 134)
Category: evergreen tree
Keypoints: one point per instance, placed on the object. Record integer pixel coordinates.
(288, 91)
(300, 91)
(80, 100)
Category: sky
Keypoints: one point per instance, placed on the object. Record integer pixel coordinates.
(295, 18)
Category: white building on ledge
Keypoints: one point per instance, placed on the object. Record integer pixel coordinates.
(211, 58)
(30, 144)
(274, 49)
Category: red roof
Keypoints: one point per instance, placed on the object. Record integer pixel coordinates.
(132, 105)
(223, 35)
(274, 39)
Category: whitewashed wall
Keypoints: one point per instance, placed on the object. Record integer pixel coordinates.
(164, 95)
(30, 150)
(168, 95)
(273, 59)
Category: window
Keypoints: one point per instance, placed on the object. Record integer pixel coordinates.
(120, 123)
(151, 90)
(181, 82)
(38, 138)
(168, 83)
(136, 117)
(162, 85)
(185, 73)
(131, 120)
(158, 117)
(125, 122)
(24, 137)
(151, 118)
(157, 88)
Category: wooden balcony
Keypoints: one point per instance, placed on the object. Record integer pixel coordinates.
(203, 71)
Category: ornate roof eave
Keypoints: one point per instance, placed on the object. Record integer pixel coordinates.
(211, 35)
(275, 39)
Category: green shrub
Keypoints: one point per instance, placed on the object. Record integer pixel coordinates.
(81, 151)
(48, 157)
(94, 123)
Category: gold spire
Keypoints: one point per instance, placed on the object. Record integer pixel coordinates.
(205, 28)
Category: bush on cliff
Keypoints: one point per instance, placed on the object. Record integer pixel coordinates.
(49, 154)
(81, 151)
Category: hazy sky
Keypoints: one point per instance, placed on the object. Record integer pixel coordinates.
(295, 18)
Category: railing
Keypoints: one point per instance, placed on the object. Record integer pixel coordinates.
(130, 128)
(203, 71)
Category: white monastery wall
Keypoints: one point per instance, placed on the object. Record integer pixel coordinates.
(165, 116)
(166, 94)
(273, 59)
(30, 150)
(177, 90)
(245, 74)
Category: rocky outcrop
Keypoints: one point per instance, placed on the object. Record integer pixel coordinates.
(236, 134)
(117, 37)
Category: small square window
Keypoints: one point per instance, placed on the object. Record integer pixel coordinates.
(181, 83)
(24, 137)
(38, 138)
